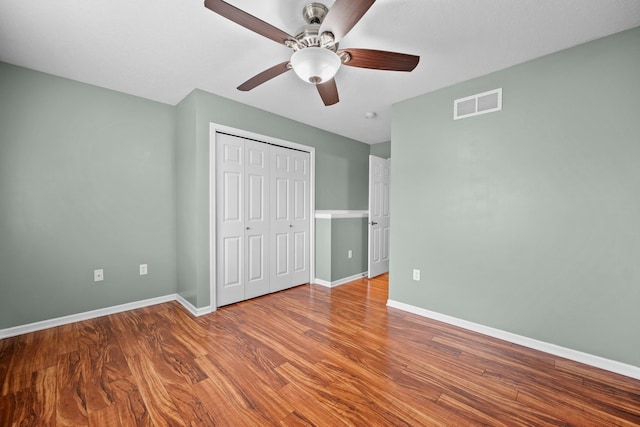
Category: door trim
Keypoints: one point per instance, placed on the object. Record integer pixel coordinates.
(213, 129)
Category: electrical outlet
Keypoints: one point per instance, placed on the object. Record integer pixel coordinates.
(143, 269)
(98, 275)
(416, 275)
(350, 254)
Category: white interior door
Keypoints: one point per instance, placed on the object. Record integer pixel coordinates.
(290, 218)
(242, 177)
(379, 215)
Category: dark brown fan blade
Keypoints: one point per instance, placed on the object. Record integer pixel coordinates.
(381, 60)
(343, 15)
(328, 92)
(264, 76)
(248, 21)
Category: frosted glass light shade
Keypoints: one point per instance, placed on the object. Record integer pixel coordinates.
(315, 64)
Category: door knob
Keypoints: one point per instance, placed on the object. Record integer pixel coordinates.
(290, 226)
(373, 223)
(248, 228)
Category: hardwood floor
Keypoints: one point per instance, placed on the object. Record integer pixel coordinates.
(305, 356)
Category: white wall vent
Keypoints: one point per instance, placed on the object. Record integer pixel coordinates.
(481, 103)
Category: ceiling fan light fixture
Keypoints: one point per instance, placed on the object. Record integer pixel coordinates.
(315, 65)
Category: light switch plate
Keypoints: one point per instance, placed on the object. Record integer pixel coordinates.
(98, 275)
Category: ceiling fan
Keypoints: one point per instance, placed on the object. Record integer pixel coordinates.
(316, 57)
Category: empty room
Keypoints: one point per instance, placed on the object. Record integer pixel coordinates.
(350, 212)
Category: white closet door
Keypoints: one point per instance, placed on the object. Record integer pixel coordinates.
(256, 218)
(242, 177)
(230, 219)
(280, 219)
(301, 218)
(290, 221)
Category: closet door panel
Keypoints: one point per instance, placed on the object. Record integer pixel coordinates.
(282, 255)
(282, 200)
(300, 252)
(280, 219)
(256, 219)
(299, 199)
(232, 202)
(230, 220)
(255, 259)
(301, 217)
(255, 198)
(232, 267)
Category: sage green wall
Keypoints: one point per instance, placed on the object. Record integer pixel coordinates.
(186, 207)
(323, 249)
(381, 150)
(348, 233)
(334, 238)
(341, 173)
(86, 182)
(526, 220)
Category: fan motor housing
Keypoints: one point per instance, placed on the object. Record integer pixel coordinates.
(314, 13)
(308, 36)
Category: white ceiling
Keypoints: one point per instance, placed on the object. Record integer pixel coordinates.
(163, 49)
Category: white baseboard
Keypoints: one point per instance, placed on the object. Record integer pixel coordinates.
(193, 309)
(322, 282)
(72, 318)
(556, 350)
(340, 281)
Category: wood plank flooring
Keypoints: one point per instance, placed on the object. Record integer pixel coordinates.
(302, 357)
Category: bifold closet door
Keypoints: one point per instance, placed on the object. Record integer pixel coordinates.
(290, 218)
(242, 212)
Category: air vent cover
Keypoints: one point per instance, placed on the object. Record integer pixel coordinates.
(481, 103)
